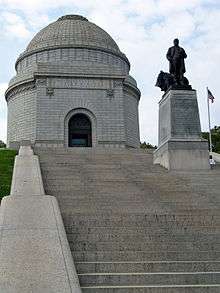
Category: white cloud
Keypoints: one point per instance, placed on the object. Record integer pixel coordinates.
(172, 7)
(144, 29)
(3, 112)
(3, 106)
(13, 26)
(3, 129)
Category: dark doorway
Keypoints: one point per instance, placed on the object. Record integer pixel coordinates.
(80, 131)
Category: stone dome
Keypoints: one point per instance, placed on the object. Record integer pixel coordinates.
(72, 31)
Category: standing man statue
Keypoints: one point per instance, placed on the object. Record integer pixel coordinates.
(176, 56)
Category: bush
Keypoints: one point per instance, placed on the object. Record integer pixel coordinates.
(6, 169)
(215, 138)
(144, 145)
(2, 144)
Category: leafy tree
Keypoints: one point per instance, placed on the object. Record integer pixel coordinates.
(215, 132)
(147, 145)
(2, 144)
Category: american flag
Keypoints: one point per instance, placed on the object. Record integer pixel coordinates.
(210, 95)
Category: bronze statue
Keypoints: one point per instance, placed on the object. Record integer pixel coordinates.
(166, 81)
(176, 56)
(175, 79)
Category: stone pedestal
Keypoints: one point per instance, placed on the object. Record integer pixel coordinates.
(180, 146)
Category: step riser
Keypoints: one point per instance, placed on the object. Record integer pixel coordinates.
(130, 246)
(146, 267)
(154, 290)
(187, 255)
(106, 233)
(155, 279)
(161, 221)
(151, 238)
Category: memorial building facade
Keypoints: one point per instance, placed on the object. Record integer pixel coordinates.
(72, 88)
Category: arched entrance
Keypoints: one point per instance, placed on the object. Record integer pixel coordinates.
(80, 131)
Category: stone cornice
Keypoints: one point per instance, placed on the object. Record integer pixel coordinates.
(19, 88)
(131, 89)
(78, 75)
(30, 83)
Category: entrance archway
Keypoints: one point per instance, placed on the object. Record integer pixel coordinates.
(80, 131)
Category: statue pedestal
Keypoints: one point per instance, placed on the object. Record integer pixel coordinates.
(180, 144)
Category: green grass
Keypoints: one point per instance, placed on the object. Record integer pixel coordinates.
(6, 168)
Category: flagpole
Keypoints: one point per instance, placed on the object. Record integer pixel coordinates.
(210, 135)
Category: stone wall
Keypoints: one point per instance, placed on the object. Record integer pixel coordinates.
(94, 96)
(22, 116)
(131, 120)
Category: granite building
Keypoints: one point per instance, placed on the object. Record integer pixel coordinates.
(72, 88)
(103, 220)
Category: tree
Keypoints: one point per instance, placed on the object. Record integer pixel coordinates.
(2, 144)
(144, 145)
(215, 132)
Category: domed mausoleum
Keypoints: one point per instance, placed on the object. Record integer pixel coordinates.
(72, 88)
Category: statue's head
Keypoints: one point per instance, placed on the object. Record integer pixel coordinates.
(176, 42)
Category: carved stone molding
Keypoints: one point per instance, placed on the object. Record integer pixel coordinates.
(110, 93)
(118, 83)
(49, 91)
(41, 81)
(20, 89)
(131, 91)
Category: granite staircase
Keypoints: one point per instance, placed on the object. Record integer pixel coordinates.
(133, 226)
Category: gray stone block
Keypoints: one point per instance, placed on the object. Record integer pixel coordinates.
(26, 178)
(34, 252)
(183, 155)
(34, 255)
(180, 145)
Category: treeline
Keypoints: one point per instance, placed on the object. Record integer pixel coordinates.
(2, 144)
(215, 138)
(147, 145)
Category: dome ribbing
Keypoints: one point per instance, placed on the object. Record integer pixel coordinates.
(72, 31)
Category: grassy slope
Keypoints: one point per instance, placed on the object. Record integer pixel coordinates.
(6, 169)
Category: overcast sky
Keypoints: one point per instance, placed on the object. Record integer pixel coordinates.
(143, 29)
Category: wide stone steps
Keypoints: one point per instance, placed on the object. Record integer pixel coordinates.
(133, 226)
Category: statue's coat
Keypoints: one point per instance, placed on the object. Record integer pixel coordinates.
(170, 55)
